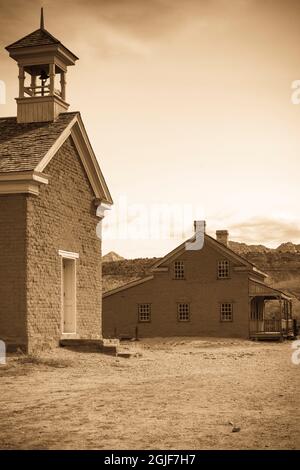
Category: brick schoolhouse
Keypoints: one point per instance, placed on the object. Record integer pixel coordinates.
(52, 193)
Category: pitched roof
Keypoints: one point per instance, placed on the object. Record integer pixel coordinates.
(178, 251)
(128, 285)
(39, 37)
(260, 289)
(30, 147)
(207, 239)
(22, 146)
(214, 243)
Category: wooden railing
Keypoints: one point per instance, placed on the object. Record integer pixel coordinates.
(40, 91)
(37, 90)
(271, 325)
(287, 325)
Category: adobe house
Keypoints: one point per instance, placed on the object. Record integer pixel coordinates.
(210, 291)
(52, 196)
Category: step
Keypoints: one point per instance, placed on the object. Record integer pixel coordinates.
(128, 354)
(92, 345)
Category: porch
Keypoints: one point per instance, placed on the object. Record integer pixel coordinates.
(270, 313)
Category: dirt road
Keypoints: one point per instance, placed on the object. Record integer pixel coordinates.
(181, 393)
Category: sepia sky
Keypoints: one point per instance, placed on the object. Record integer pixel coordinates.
(187, 103)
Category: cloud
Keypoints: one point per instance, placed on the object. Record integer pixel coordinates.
(266, 230)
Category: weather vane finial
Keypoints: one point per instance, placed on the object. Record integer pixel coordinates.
(42, 18)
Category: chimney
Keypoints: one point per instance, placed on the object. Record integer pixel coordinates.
(222, 236)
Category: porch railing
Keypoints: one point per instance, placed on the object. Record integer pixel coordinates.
(271, 326)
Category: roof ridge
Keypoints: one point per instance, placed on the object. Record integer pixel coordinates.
(232, 251)
(178, 249)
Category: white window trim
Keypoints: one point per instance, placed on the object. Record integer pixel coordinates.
(68, 254)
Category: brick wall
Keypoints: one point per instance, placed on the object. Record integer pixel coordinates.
(201, 289)
(12, 269)
(62, 217)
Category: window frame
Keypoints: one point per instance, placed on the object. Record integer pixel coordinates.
(222, 320)
(189, 312)
(180, 270)
(139, 312)
(218, 269)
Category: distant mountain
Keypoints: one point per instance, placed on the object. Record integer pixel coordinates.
(243, 248)
(111, 256)
(288, 248)
(137, 267)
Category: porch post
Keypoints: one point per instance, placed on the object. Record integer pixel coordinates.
(249, 317)
(280, 306)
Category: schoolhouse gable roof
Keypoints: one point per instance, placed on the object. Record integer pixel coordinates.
(28, 148)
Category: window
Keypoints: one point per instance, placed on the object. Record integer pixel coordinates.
(179, 269)
(223, 269)
(144, 312)
(183, 311)
(226, 311)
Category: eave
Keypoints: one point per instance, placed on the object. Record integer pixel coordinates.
(128, 286)
(22, 182)
(77, 132)
(29, 181)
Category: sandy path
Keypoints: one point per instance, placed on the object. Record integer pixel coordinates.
(179, 394)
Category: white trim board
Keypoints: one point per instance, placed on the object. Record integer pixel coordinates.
(77, 132)
(68, 254)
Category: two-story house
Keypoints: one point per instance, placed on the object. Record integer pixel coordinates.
(211, 291)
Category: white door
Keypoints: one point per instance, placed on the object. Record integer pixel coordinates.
(69, 295)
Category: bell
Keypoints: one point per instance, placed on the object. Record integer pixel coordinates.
(43, 75)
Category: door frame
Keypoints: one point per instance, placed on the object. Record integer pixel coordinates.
(72, 256)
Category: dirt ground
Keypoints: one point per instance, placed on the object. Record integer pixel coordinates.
(180, 394)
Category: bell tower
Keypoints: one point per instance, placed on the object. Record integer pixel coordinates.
(42, 60)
